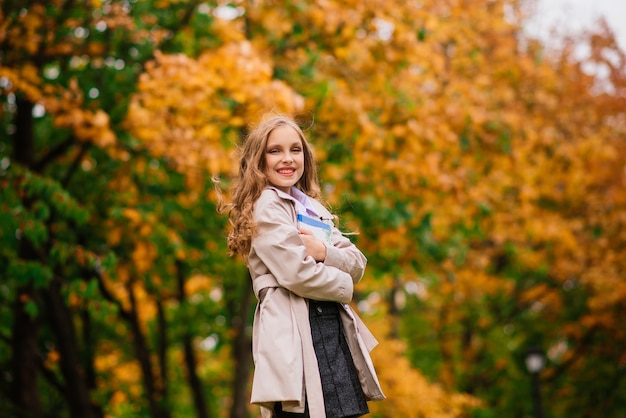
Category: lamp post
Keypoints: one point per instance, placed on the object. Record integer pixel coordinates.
(535, 362)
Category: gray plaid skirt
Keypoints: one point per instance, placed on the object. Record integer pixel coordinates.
(343, 396)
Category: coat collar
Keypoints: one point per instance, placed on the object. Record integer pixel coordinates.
(301, 201)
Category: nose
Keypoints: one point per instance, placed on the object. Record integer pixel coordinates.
(287, 157)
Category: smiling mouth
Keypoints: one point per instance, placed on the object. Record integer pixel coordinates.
(286, 171)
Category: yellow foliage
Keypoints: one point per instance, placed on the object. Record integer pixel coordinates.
(122, 377)
(87, 125)
(457, 118)
(186, 121)
(143, 256)
(25, 80)
(132, 214)
(409, 394)
(443, 111)
(198, 284)
(146, 308)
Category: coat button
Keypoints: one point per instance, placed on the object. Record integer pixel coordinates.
(319, 309)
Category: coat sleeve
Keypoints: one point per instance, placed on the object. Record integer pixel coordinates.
(278, 246)
(342, 254)
(345, 256)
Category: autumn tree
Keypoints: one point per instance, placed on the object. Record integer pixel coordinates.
(472, 177)
(483, 173)
(457, 146)
(100, 239)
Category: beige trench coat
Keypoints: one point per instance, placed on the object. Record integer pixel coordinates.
(282, 346)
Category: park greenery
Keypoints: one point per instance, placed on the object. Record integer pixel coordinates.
(482, 171)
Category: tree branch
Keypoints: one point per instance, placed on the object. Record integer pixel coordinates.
(109, 296)
(75, 164)
(182, 22)
(55, 152)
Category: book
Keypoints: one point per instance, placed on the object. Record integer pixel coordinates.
(319, 229)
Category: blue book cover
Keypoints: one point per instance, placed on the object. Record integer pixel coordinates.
(320, 229)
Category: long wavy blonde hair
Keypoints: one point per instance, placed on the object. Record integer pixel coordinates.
(252, 180)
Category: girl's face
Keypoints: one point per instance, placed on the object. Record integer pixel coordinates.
(284, 158)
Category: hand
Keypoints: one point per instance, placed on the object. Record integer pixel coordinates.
(314, 246)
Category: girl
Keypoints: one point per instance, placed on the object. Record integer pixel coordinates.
(311, 351)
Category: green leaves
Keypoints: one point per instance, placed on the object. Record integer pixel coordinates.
(48, 194)
(488, 211)
(26, 273)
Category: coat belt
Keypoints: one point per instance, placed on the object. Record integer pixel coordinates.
(263, 281)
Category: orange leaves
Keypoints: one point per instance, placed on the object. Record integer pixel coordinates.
(276, 19)
(117, 17)
(25, 80)
(26, 34)
(199, 284)
(462, 157)
(65, 106)
(120, 373)
(140, 230)
(88, 126)
(473, 283)
(542, 297)
(132, 214)
(608, 288)
(452, 115)
(186, 109)
(143, 256)
(32, 30)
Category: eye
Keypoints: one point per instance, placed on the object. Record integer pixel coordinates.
(272, 151)
(296, 149)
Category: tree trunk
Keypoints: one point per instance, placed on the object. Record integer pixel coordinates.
(242, 352)
(195, 385)
(152, 392)
(23, 141)
(446, 346)
(25, 363)
(25, 328)
(60, 319)
(394, 309)
(194, 381)
(89, 358)
(162, 344)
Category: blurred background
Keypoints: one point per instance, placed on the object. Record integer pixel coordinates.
(479, 155)
(570, 16)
